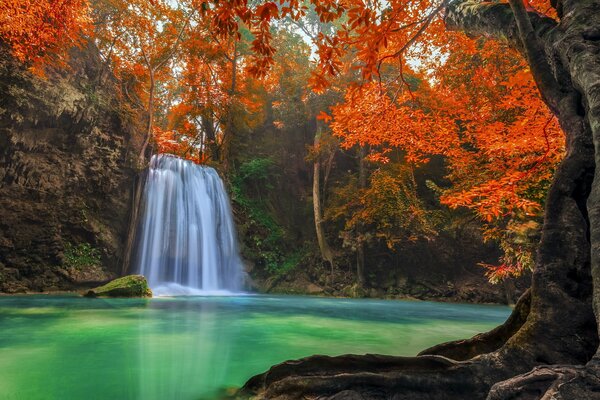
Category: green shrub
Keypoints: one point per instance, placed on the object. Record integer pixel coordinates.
(250, 187)
(81, 256)
(257, 169)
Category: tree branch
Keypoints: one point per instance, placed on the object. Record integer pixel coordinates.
(536, 56)
(175, 44)
(492, 20)
(523, 30)
(426, 22)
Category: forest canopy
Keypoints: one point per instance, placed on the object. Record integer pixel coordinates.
(386, 81)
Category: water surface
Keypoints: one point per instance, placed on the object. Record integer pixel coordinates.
(191, 348)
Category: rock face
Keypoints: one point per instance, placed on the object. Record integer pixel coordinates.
(441, 274)
(66, 175)
(127, 286)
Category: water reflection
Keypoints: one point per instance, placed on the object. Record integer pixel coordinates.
(186, 353)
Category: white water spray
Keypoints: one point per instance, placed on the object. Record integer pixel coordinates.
(187, 242)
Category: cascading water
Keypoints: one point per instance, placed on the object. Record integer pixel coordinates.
(187, 242)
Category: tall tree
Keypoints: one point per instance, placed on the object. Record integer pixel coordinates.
(141, 37)
(326, 251)
(312, 27)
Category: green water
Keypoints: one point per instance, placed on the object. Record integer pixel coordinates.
(190, 348)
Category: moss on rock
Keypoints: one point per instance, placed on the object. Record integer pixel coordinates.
(127, 286)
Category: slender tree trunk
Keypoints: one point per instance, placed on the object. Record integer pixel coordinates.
(134, 213)
(211, 136)
(138, 186)
(139, 181)
(150, 123)
(234, 61)
(152, 69)
(328, 166)
(228, 134)
(360, 247)
(326, 252)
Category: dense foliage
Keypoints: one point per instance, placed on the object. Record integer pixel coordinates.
(391, 87)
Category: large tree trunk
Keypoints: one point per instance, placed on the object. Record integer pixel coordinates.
(565, 61)
(560, 327)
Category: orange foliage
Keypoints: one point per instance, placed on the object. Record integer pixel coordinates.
(481, 111)
(35, 28)
(183, 146)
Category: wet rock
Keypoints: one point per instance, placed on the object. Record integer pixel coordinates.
(311, 288)
(127, 286)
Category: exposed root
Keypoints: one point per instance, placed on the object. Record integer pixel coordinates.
(485, 342)
(378, 377)
(555, 382)
(421, 378)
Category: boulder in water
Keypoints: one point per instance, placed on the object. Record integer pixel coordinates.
(127, 286)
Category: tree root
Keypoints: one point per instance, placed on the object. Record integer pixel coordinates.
(555, 382)
(379, 377)
(373, 377)
(483, 343)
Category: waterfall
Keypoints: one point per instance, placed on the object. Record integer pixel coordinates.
(186, 240)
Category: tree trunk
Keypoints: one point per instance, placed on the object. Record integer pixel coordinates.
(138, 187)
(228, 134)
(211, 136)
(565, 61)
(360, 247)
(326, 252)
(150, 124)
(139, 182)
(560, 327)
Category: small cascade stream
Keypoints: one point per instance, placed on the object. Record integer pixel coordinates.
(186, 240)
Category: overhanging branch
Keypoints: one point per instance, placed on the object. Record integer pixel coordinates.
(536, 56)
(525, 32)
(492, 20)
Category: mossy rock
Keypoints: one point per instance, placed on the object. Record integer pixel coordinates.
(127, 286)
